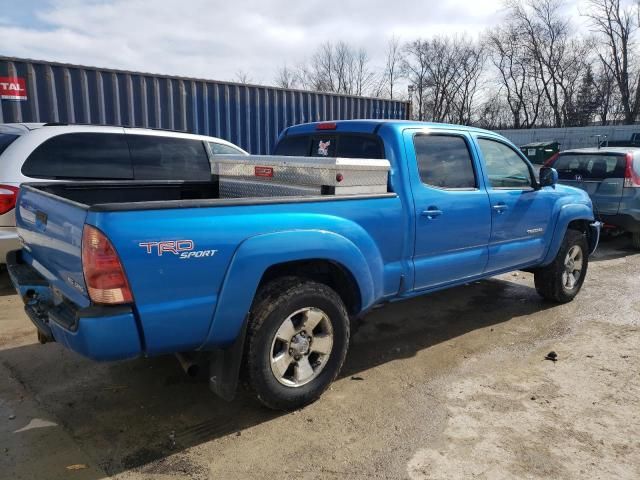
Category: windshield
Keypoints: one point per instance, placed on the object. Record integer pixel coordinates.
(593, 166)
(5, 140)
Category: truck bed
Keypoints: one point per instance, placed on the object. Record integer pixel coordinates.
(235, 179)
(152, 195)
(93, 193)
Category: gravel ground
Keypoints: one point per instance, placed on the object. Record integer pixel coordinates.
(451, 385)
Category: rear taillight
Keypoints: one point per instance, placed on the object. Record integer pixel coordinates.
(103, 272)
(550, 161)
(8, 196)
(631, 178)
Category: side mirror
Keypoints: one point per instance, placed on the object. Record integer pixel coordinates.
(548, 177)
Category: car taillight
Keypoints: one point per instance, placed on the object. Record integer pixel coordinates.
(103, 272)
(550, 161)
(8, 196)
(631, 178)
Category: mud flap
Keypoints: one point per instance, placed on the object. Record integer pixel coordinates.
(224, 368)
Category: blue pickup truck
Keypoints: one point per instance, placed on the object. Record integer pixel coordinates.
(267, 286)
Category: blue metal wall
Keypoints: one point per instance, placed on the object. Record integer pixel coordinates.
(247, 115)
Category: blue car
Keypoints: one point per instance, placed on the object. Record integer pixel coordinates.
(266, 266)
(611, 177)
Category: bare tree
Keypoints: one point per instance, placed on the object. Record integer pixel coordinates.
(242, 76)
(617, 25)
(392, 67)
(494, 113)
(318, 72)
(414, 66)
(444, 74)
(342, 61)
(470, 57)
(286, 77)
(558, 57)
(605, 86)
(531, 70)
(441, 77)
(337, 67)
(362, 77)
(516, 74)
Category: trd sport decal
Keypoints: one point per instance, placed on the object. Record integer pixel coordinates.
(184, 249)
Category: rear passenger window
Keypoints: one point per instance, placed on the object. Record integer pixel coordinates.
(444, 161)
(167, 158)
(81, 156)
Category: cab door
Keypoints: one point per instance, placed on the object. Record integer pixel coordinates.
(452, 213)
(520, 212)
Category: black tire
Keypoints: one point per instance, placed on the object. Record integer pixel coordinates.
(549, 280)
(635, 240)
(273, 304)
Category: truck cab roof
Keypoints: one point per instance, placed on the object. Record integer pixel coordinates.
(373, 125)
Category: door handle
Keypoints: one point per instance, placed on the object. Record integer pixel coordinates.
(432, 212)
(500, 207)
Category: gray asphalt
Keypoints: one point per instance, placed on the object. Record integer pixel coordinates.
(451, 385)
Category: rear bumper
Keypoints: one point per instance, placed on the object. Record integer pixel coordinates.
(97, 332)
(625, 221)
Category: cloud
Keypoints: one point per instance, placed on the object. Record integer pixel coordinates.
(215, 39)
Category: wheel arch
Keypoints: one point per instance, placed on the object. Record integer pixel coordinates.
(321, 270)
(575, 216)
(354, 271)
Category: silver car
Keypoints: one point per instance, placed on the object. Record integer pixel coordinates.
(611, 177)
(44, 152)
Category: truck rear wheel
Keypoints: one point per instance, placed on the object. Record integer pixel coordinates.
(297, 342)
(561, 280)
(635, 240)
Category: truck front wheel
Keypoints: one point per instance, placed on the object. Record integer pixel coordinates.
(297, 342)
(561, 280)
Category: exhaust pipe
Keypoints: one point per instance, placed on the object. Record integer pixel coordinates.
(188, 364)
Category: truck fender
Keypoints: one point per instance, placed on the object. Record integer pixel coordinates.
(567, 214)
(256, 254)
(249, 263)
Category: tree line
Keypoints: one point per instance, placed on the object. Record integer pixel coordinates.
(535, 69)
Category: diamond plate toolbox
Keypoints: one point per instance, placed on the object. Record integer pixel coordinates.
(265, 175)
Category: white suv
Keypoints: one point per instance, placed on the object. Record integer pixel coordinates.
(35, 151)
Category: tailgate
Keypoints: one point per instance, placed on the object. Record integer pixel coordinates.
(51, 230)
(601, 175)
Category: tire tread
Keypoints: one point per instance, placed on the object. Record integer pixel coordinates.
(269, 297)
(547, 279)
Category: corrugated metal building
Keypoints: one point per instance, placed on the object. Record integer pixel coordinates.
(571, 137)
(250, 116)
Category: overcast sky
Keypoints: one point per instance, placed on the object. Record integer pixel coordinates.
(214, 39)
